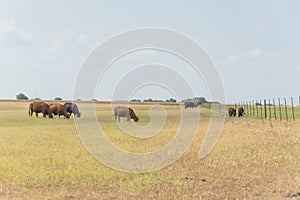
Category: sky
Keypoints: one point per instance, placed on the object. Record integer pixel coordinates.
(254, 45)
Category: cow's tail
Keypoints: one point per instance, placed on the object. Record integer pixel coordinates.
(115, 113)
(30, 109)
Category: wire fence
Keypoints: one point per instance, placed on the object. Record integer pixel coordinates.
(272, 109)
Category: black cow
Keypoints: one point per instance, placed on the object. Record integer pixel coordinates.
(231, 112)
(191, 104)
(72, 108)
(241, 112)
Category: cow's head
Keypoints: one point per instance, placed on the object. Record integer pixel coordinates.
(136, 119)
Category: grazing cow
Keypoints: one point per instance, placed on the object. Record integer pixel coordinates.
(241, 112)
(59, 109)
(72, 108)
(121, 111)
(191, 104)
(231, 112)
(39, 107)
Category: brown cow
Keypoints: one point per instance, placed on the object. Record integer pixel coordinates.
(121, 111)
(59, 109)
(39, 107)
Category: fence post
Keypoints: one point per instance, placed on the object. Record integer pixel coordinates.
(253, 106)
(286, 113)
(265, 107)
(270, 115)
(274, 106)
(279, 109)
(256, 108)
(293, 108)
(261, 115)
(250, 108)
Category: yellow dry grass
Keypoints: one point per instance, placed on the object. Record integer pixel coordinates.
(44, 159)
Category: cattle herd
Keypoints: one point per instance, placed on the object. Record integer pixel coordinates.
(232, 112)
(51, 109)
(67, 109)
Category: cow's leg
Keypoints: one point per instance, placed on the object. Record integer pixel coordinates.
(36, 114)
(119, 118)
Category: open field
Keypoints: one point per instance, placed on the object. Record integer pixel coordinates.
(45, 159)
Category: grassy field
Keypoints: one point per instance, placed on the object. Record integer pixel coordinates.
(45, 159)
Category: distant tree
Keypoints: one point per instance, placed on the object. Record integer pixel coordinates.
(21, 96)
(57, 98)
(37, 98)
(171, 100)
(198, 99)
(94, 100)
(148, 100)
(78, 99)
(135, 100)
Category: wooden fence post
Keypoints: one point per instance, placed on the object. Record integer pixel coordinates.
(253, 106)
(270, 115)
(293, 108)
(256, 104)
(265, 107)
(261, 115)
(250, 108)
(279, 109)
(247, 108)
(274, 106)
(286, 113)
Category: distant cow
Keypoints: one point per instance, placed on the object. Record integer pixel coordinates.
(72, 108)
(191, 104)
(231, 112)
(241, 112)
(121, 111)
(39, 107)
(59, 109)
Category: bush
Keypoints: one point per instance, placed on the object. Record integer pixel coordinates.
(22, 96)
(58, 99)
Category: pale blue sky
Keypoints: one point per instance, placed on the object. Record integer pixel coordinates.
(254, 44)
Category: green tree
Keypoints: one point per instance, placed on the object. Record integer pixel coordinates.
(148, 100)
(58, 99)
(171, 100)
(21, 96)
(135, 100)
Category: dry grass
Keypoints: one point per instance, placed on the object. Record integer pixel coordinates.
(44, 159)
